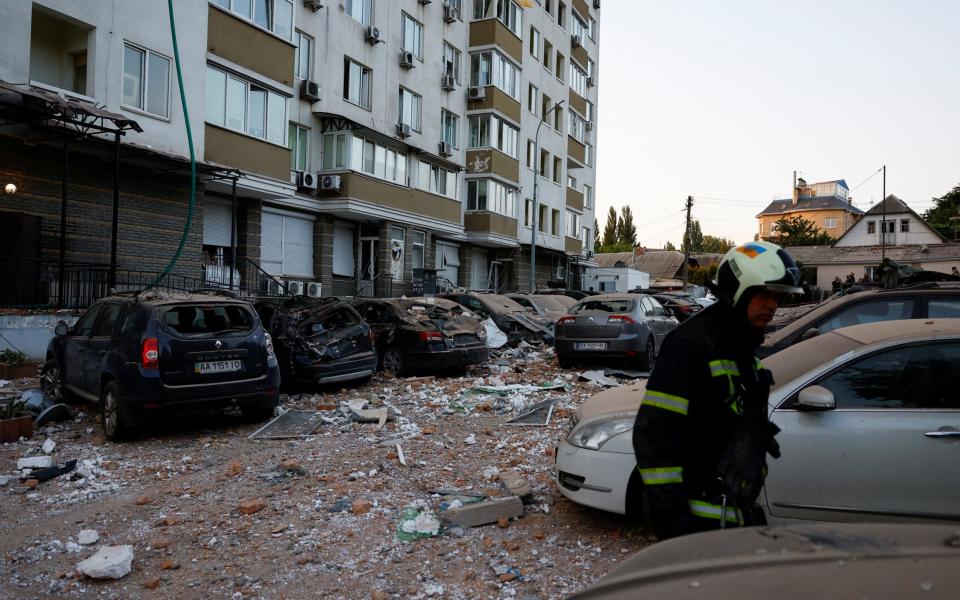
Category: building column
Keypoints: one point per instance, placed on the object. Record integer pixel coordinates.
(248, 239)
(323, 252)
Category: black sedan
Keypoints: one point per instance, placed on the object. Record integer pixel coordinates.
(680, 308)
(424, 334)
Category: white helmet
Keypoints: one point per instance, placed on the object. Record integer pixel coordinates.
(756, 265)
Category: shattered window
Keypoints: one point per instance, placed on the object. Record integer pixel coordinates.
(607, 306)
(194, 320)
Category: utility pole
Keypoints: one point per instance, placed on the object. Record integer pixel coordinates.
(686, 243)
(883, 218)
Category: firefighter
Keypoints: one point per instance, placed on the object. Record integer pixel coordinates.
(702, 432)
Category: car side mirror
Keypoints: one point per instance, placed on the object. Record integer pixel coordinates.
(816, 397)
(810, 333)
(61, 329)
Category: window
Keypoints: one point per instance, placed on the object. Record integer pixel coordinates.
(555, 222)
(576, 126)
(578, 26)
(561, 65)
(557, 169)
(356, 83)
(588, 154)
(107, 321)
(868, 312)
(361, 10)
(506, 11)
(528, 213)
(365, 156)
(544, 162)
(146, 81)
(587, 196)
(592, 28)
(243, 106)
(904, 225)
(437, 180)
(913, 377)
(545, 104)
(449, 124)
(943, 309)
(558, 120)
(573, 224)
(578, 79)
(585, 239)
(417, 249)
(336, 151)
(492, 196)
(493, 132)
(531, 155)
(571, 182)
(830, 223)
(535, 41)
(548, 7)
(412, 36)
(871, 226)
(272, 15)
(533, 99)
(410, 108)
(299, 151)
(547, 55)
(562, 15)
(303, 59)
(451, 62)
(492, 68)
(542, 223)
(286, 244)
(589, 115)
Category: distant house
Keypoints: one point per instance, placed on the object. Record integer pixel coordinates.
(840, 261)
(895, 221)
(827, 204)
(665, 267)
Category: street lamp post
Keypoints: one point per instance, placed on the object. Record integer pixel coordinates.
(536, 208)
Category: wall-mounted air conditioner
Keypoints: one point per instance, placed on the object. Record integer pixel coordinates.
(310, 90)
(450, 13)
(476, 92)
(314, 289)
(403, 130)
(313, 5)
(307, 181)
(406, 59)
(331, 183)
(446, 149)
(295, 288)
(373, 35)
(448, 82)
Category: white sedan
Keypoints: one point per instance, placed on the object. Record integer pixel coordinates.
(870, 420)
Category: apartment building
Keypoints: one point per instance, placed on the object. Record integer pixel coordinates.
(345, 144)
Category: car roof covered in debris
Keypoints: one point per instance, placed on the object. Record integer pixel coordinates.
(156, 297)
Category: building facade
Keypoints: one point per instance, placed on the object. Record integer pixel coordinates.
(890, 223)
(827, 204)
(344, 144)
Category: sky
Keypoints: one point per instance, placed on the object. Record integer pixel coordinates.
(723, 101)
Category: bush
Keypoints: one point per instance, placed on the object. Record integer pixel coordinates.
(12, 357)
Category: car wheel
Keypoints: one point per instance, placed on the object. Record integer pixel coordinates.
(111, 413)
(51, 382)
(649, 356)
(257, 412)
(394, 362)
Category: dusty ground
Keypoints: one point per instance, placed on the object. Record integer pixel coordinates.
(175, 493)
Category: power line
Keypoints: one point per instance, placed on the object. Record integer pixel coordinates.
(872, 175)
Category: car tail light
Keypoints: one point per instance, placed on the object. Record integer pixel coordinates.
(372, 336)
(430, 336)
(565, 320)
(686, 309)
(619, 319)
(150, 353)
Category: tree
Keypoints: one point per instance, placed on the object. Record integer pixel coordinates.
(669, 246)
(943, 210)
(797, 231)
(696, 238)
(717, 245)
(628, 231)
(610, 230)
(596, 236)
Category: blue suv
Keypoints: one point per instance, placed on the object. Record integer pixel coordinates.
(138, 353)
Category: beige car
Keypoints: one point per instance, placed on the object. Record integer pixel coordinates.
(870, 420)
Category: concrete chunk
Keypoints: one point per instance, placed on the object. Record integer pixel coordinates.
(35, 462)
(483, 513)
(110, 562)
(513, 483)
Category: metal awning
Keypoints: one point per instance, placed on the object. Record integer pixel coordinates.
(31, 105)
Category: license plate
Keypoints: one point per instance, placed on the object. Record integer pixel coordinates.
(590, 346)
(217, 366)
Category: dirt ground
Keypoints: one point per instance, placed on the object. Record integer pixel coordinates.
(324, 510)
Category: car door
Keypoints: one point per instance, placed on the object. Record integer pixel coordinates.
(889, 450)
(75, 346)
(870, 311)
(98, 344)
(943, 308)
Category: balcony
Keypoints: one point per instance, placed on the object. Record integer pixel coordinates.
(490, 228)
(58, 53)
(389, 195)
(574, 199)
(496, 99)
(492, 161)
(572, 245)
(491, 32)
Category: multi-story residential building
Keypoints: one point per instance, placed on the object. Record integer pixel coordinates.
(827, 204)
(346, 143)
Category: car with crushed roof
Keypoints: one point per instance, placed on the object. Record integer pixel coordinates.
(519, 323)
(424, 335)
(869, 424)
(134, 355)
(550, 307)
(320, 341)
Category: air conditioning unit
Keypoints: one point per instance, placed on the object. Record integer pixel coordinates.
(476, 92)
(450, 13)
(295, 288)
(314, 289)
(373, 35)
(307, 181)
(590, 81)
(588, 125)
(273, 288)
(448, 82)
(313, 5)
(425, 1)
(406, 59)
(446, 149)
(596, 4)
(310, 90)
(576, 41)
(403, 130)
(331, 183)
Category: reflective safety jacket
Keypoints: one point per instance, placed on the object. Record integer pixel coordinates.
(705, 376)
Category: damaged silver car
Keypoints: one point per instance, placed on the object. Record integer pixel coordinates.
(319, 340)
(519, 323)
(424, 335)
